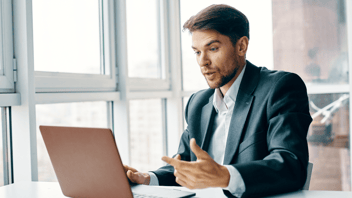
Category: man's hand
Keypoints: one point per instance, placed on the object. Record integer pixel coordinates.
(203, 173)
(136, 177)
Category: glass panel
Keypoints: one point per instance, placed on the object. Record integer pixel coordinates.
(81, 114)
(66, 36)
(260, 44)
(143, 39)
(311, 39)
(1, 59)
(1, 148)
(1, 53)
(146, 134)
(1, 48)
(328, 140)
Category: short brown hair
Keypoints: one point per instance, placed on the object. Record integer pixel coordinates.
(224, 19)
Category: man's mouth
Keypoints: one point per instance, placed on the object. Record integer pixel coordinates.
(209, 75)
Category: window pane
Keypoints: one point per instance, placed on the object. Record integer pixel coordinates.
(1, 59)
(5, 159)
(328, 140)
(260, 44)
(143, 39)
(1, 147)
(1, 47)
(82, 114)
(311, 40)
(146, 134)
(66, 36)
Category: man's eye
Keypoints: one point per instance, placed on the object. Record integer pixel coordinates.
(213, 49)
(197, 52)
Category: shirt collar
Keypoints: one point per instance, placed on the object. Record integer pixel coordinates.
(221, 103)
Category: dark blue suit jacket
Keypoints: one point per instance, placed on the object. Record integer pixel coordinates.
(267, 136)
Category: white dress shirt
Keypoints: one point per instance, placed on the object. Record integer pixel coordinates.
(224, 106)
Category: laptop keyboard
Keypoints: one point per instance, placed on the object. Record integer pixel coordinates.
(136, 195)
(156, 191)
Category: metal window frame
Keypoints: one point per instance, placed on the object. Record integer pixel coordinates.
(6, 47)
(6, 145)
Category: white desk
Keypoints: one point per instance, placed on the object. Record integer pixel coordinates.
(52, 190)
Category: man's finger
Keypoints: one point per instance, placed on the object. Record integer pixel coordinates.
(200, 154)
(181, 182)
(177, 163)
(183, 175)
(135, 177)
(172, 161)
(130, 176)
(125, 167)
(129, 168)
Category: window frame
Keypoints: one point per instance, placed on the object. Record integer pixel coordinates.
(6, 145)
(6, 49)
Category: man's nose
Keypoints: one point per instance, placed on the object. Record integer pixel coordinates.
(203, 60)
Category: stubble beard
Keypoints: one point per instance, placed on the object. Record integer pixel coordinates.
(225, 79)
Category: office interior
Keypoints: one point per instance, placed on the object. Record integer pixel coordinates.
(128, 66)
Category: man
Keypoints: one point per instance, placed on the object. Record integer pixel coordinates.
(251, 124)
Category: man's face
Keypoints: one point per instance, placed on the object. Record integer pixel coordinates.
(216, 57)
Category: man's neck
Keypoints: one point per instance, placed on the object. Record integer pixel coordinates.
(226, 87)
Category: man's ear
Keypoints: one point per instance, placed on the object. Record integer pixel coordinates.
(242, 46)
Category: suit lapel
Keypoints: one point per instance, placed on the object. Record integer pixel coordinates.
(207, 119)
(238, 119)
(240, 113)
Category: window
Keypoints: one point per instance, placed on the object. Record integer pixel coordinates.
(146, 134)
(5, 168)
(328, 141)
(143, 40)
(147, 38)
(71, 40)
(6, 48)
(1, 69)
(321, 26)
(311, 40)
(2, 149)
(73, 49)
(80, 114)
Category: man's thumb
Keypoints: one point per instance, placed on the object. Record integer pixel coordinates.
(135, 177)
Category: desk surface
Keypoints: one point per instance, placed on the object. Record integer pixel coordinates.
(52, 190)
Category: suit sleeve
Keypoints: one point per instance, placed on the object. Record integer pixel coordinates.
(165, 174)
(284, 169)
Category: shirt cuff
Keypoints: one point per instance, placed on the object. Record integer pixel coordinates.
(236, 185)
(153, 179)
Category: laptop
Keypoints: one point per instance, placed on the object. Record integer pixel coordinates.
(87, 164)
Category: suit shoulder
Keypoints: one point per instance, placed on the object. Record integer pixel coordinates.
(275, 76)
(202, 96)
